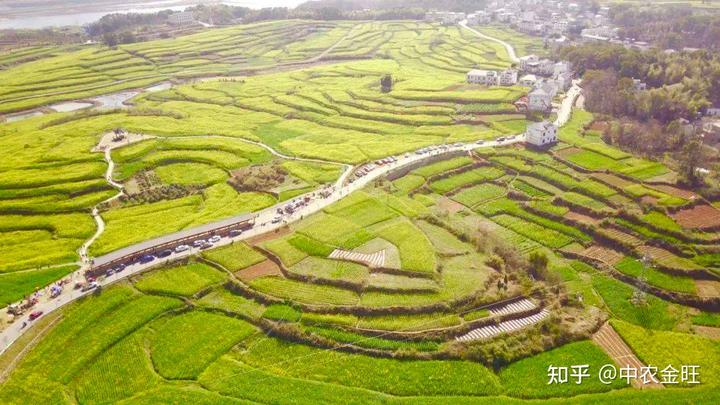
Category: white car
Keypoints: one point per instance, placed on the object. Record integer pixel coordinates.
(181, 248)
(198, 243)
(214, 239)
(276, 220)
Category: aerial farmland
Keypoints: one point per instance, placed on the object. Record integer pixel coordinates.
(330, 211)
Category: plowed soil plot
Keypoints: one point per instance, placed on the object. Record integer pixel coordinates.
(450, 205)
(269, 236)
(266, 268)
(620, 352)
(676, 192)
(621, 236)
(564, 153)
(707, 288)
(698, 217)
(582, 218)
(603, 254)
(708, 331)
(612, 180)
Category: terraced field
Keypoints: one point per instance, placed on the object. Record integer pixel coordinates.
(460, 281)
(336, 113)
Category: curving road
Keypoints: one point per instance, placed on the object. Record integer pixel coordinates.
(508, 47)
(264, 220)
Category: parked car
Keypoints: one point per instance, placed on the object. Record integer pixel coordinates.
(234, 233)
(181, 248)
(89, 286)
(198, 243)
(276, 220)
(500, 139)
(480, 142)
(146, 259)
(119, 268)
(206, 246)
(165, 253)
(109, 273)
(35, 315)
(214, 239)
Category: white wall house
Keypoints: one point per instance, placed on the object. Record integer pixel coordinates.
(541, 134)
(528, 80)
(539, 100)
(184, 17)
(479, 76)
(506, 77)
(445, 17)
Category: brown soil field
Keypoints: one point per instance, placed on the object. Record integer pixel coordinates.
(675, 191)
(698, 217)
(265, 268)
(612, 180)
(622, 236)
(603, 254)
(269, 236)
(564, 153)
(707, 288)
(450, 205)
(582, 218)
(620, 352)
(708, 331)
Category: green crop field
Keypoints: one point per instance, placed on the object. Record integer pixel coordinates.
(377, 297)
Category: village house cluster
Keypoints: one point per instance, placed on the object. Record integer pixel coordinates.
(545, 77)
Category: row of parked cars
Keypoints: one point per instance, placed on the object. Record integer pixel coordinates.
(198, 243)
(367, 168)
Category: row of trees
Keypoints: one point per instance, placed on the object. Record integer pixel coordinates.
(679, 84)
(672, 27)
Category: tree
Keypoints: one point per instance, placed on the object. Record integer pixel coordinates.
(690, 159)
(538, 264)
(386, 83)
(110, 39)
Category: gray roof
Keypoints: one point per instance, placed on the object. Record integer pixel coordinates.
(171, 237)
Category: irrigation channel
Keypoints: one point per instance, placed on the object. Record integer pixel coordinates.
(264, 218)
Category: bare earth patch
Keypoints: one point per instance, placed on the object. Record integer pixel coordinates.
(612, 180)
(564, 153)
(602, 254)
(450, 205)
(698, 217)
(707, 288)
(622, 236)
(708, 331)
(128, 138)
(620, 352)
(256, 240)
(264, 268)
(582, 218)
(675, 191)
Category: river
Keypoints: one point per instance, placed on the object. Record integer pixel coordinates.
(47, 14)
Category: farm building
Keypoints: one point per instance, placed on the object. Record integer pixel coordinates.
(539, 100)
(506, 77)
(182, 18)
(541, 134)
(477, 18)
(528, 80)
(445, 17)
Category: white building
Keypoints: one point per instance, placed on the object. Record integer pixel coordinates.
(713, 112)
(539, 100)
(506, 77)
(479, 76)
(478, 18)
(563, 81)
(541, 133)
(445, 17)
(528, 80)
(182, 18)
(528, 61)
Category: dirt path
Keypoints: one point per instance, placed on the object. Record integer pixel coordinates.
(620, 352)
